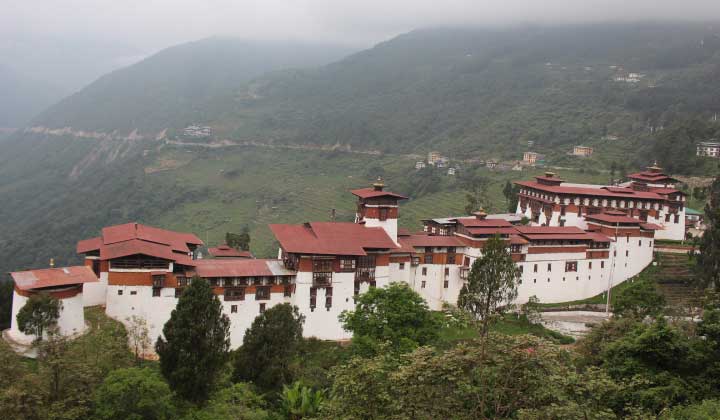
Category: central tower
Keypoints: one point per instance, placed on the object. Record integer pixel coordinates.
(378, 208)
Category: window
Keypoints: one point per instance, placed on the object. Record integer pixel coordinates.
(422, 285)
(446, 284)
(640, 242)
(262, 307)
(178, 292)
(384, 213)
(182, 281)
(156, 292)
(233, 309)
(313, 297)
(235, 294)
(548, 279)
(347, 265)
(534, 280)
(424, 271)
(328, 298)
(521, 269)
(262, 293)
(667, 217)
(677, 218)
(214, 282)
(402, 266)
(287, 291)
(133, 292)
(562, 210)
(447, 271)
(570, 266)
(549, 267)
(650, 244)
(534, 268)
(590, 265)
(428, 259)
(602, 264)
(120, 292)
(615, 253)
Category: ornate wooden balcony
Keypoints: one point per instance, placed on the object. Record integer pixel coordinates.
(365, 274)
(322, 279)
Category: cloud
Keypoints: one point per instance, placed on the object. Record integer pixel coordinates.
(157, 23)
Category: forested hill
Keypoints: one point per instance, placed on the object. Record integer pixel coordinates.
(462, 90)
(181, 84)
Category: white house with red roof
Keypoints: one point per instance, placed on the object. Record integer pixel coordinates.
(650, 196)
(65, 284)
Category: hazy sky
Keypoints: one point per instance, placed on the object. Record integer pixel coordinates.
(157, 23)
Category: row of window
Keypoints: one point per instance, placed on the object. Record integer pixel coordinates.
(183, 281)
(261, 292)
(570, 266)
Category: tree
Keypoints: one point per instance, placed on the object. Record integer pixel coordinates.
(492, 283)
(135, 394)
(196, 343)
(394, 314)
(705, 410)
(235, 402)
(639, 299)
(240, 240)
(708, 260)
(40, 312)
(139, 337)
(477, 187)
(6, 296)
(299, 401)
(269, 346)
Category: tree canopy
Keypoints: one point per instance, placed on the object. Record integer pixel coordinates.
(40, 312)
(133, 394)
(196, 342)
(395, 314)
(492, 283)
(268, 348)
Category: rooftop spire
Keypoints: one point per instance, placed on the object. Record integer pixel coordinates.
(379, 184)
(480, 214)
(654, 167)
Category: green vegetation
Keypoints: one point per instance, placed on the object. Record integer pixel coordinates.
(133, 394)
(492, 282)
(40, 313)
(269, 347)
(708, 260)
(194, 349)
(394, 316)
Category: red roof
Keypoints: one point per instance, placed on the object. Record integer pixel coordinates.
(373, 193)
(229, 252)
(134, 238)
(53, 277)
(518, 240)
(331, 238)
(598, 192)
(420, 240)
(567, 236)
(475, 222)
(597, 237)
(492, 231)
(613, 217)
(650, 226)
(239, 268)
(548, 230)
(648, 176)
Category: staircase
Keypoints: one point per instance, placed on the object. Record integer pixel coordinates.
(674, 281)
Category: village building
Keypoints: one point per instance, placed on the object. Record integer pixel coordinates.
(65, 284)
(530, 158)
(433, 157)
(709, 149)
(582, 151)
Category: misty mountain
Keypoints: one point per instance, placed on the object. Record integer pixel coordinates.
(179, 85)
(22, 97)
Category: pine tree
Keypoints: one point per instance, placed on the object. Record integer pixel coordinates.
(195, 344)
(492, 283)
(40, 312)
(708, 261)
(269, 346)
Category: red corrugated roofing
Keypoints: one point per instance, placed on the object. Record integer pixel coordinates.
(651, 176)
(136, 239)
(492, 231)
(52, 277)
(232, 268)
(87, 245)
(650, 226)
(518, 240)
(548, 230)
(475, 222)
(331, 238)
(431, 240)
(373, 193)
(598, 237)
(229, 252)
(567, 236)
(612, 218)
(599, 192)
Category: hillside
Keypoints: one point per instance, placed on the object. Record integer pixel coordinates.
(471, 93)
(180, 85)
